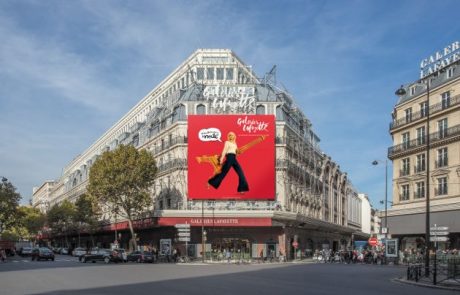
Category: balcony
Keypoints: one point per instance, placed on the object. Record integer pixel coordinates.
(404, 197)
(419, 168)
(419, 194)
(404, 172)
(439, 191)
(435, 137)
(436, 108)
(441, 163)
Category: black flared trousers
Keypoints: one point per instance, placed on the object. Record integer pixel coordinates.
(230, 162)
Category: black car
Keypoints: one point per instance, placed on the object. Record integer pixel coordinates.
(42, 253)
(105, 255)
(141, 256)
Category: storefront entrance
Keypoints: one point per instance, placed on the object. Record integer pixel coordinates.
(238, 247)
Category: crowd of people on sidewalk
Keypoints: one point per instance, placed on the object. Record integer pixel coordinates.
(350, 256)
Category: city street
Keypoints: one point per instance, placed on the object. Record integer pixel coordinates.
(68, 276)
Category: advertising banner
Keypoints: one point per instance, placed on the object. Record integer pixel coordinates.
(231, 157)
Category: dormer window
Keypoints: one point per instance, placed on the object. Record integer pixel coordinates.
(412, 90)
(450, 72)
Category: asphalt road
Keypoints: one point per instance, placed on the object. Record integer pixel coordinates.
(67, 276)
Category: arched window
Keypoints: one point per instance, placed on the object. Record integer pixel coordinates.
(200, 109)
(260, 110)
(279, 113)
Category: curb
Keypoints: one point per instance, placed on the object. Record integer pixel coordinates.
(442, 287)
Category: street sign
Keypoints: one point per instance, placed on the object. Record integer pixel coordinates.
(384, 230)
(439, 239)
(439, 228)
(373, 241)
(182, 225)
(295, 244)
(183, 239)
(183, 230)
(183, 234)
(439, 233)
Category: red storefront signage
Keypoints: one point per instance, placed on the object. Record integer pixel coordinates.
(216, 221)
(248, 145)
(193, 221)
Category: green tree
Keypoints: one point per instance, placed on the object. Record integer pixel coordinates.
(29, 222)
(87, 215)
(120, 180)
(9, 202)
(61, 218)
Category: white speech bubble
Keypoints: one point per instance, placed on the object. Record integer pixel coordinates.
(210, 134)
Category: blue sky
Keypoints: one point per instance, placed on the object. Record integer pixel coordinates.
(70, 69)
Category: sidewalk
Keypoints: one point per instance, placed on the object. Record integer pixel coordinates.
(454, 286)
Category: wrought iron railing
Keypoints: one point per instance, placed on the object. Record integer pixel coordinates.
(416, 143)
(454, 101)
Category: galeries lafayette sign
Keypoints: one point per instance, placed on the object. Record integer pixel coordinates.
(440, 59)
(217, 221)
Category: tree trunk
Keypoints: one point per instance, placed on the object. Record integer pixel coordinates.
(133, 235)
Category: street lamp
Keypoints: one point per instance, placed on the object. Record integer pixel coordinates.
(400, 92)
(375, 163)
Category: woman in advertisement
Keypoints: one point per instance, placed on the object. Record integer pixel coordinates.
(229, 153)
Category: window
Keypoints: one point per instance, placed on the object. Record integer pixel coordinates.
(420, 190)
(405, 167)
(220, 73)
(229, 74)
(405, 139)
(404, 192)
(200, 109)
(423, 109)
(450, 72)
(210, 73)
(421, 135)
(420, 163)
(260, 110)
(442, 128)
(408, 114)
(200, 73)
(442, 186)
(442, 158)
(445, 99)
(135, 141)
(412, 90)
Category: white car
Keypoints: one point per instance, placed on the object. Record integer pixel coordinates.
(77, 252)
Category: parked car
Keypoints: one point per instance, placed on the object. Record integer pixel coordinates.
(105, 255)
(77, 252)
(25, 251)
(141, 256)
(64, 251)
(42, 253)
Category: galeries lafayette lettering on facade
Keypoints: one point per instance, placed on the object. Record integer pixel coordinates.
(440, 59)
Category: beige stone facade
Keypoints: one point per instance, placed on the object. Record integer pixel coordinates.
(409, 130)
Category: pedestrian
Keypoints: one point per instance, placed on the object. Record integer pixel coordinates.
(3, 255)
(228, 255)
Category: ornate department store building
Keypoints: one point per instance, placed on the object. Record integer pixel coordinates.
(298, 198)
(426, 154)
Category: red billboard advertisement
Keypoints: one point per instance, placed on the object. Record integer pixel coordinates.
(231, 157)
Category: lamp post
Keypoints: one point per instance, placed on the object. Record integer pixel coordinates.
(375, 163)
(203, 233)
(400, 92)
